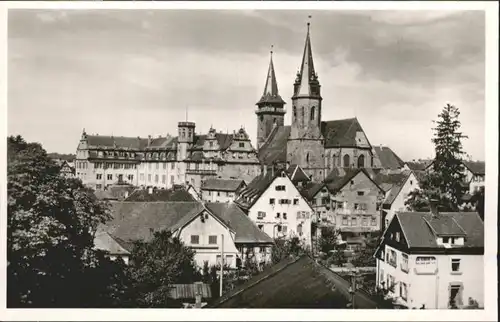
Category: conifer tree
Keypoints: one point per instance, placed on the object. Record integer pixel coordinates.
(446, 179)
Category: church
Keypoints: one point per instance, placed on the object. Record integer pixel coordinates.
(315, 145)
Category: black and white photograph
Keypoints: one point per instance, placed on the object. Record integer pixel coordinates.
(248, 157)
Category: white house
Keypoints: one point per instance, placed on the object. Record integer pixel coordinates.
(203, 227)
(432, 260)
(277, 207)
(397, 187)
(221, 190)
(114, 247)
(475, 174)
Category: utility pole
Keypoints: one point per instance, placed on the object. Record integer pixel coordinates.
(221, 262)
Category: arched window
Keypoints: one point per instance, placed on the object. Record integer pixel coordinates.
(361, 161)
(295, 112)
(302, 112)
(313, 110)
(307, 157)
(261, 117)
(347, 161)
(274, 120)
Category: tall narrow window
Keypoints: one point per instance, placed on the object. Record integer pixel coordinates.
(307, 157)
(347, 161)
(313, 110)
(295, 112)
(361, 161)
(302, 113)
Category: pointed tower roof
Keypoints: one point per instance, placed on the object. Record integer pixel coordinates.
(307, 75)
(271, 94)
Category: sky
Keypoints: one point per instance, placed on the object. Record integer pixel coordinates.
(139, 72)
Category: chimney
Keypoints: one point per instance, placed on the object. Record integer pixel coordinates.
(434, 207)
(198, 294)
(150, 190)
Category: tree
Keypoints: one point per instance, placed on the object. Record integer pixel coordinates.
(364, 257)
(445, 180)
(477, 200)
(50, 225)
(329, 240)
(157, 264)
(285, 248)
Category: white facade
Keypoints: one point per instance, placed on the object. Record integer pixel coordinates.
(281, 211)
(430, 279)
(217, 195)
(398, 204)
(475, 181)
(204, 236)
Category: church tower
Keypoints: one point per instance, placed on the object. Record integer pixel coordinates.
(305, 146)
(270, 108)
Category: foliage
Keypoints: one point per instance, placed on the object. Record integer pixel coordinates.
(50, 225)
(445, 180)
(61, 156)
(329, 240)
(285, 248)
(477, 200)
(159, 263)
(365, 257)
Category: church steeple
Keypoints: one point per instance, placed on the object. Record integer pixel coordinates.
(271, 94)
(306, 83)
(270, 108)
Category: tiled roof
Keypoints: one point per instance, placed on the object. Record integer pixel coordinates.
(419, 165)
(246, 231)
(476, 167)
(189, 291)
(274, 150)
(256, 187)
(445, 226)
(114, 192)
(310, 190)
(340, 133)
(137, 220)
(135, 143)
(160, 195)
(294, 283)
(338, 173)
(419, 233)
(392, 183)
(222, 184)
(104, 241)
(388, 159)
(297, 174)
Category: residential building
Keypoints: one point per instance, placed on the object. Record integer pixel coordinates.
(205, 228)
(221, 190)
(295, 283)
(397, 186)
(475, 175)
(433, 260)
(165, 161)
(356, 202)
(298, 176)
(317, 146)
(276, 206)
(67, 169)
(117, 191)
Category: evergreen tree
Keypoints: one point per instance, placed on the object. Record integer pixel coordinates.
(446, 179)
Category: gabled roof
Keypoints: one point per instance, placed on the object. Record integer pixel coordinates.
(104, 241)
(245, 230)
(256, 188)
(294, 283)
(340, 133)
(476, 167)
(419, 165)
(114, 192)
(388, 159)
(338, 173)
(189, 291)
(137, 220)
(297, 174)
(392, 183)
(231, 185)
(337, 183)
(421, 229)
(160, 195)
(311, 189)
(274, 149)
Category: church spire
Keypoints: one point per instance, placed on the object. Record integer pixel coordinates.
(271, 94)
(307, 83)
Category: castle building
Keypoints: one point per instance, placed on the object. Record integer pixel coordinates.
(166, 161)
(315, 145)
